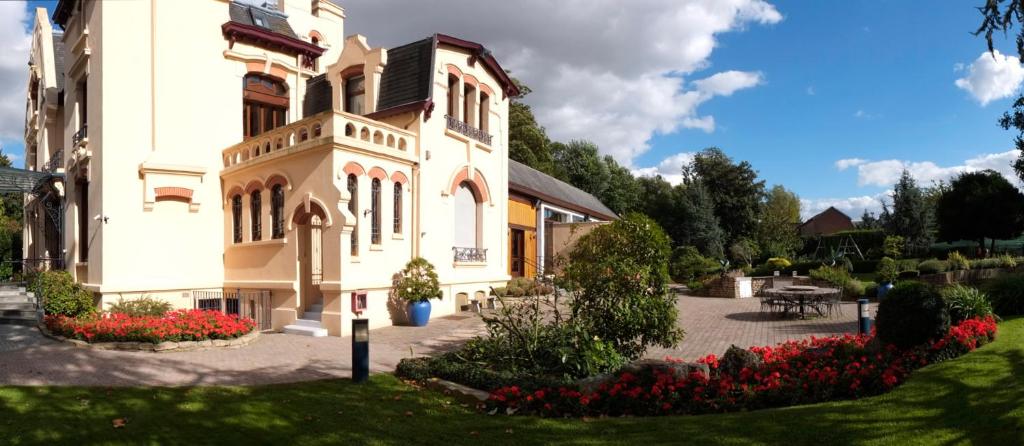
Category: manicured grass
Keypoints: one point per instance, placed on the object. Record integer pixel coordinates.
(977, 398)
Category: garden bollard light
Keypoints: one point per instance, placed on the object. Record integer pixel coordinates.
(864, 316)
(360, 350)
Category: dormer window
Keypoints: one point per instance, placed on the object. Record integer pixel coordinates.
(355, 91)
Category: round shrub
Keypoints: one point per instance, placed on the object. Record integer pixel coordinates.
(964, 302)
(61, 295)
(1007, 294)
(911, 314)
(778, 263)
(888, 270)
(932, 266)
(957, 261)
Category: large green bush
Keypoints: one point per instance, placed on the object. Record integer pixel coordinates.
(144, 306)
(888, 270)
(911, 314)
(61, 295)
(689, 265)
(964, 302)
(618, 276)
(1007, 294)
(933, 266)
(840, 277)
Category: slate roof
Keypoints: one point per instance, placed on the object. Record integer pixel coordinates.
(407, 76)
(252, 15)
(318, 96)
(530, 181)
(58, 58)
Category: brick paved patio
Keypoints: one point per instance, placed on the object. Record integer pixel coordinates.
(27, 358)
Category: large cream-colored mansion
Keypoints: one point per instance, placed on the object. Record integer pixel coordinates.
(213, 145)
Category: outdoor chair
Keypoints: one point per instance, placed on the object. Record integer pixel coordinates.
(833, 303)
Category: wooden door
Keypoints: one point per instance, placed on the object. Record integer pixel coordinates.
(517, 251)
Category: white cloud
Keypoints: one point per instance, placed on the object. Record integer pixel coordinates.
(15, 44)
(852, 206)
(609, 71)
(671, 168)
(810, 91)
(887, 172)
(861, 114)
(847, 163)
(992, 76)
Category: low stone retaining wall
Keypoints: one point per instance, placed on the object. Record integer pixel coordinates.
(731, 287)
(968, 275)
(163, 347)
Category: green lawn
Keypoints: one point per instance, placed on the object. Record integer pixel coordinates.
(978, 398)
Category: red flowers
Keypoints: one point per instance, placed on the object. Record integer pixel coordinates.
(794, 372)
(179, 325)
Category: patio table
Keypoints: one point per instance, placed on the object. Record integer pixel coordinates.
(801, 294)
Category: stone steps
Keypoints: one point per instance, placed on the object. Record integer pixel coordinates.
(306, 330)
(17, 307)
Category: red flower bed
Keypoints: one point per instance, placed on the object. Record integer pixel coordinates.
(795, 372)
(179, 325)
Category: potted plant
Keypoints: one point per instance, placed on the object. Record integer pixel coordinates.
(888, 271)
(417, 285)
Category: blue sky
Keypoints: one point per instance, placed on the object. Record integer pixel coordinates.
(795, 86)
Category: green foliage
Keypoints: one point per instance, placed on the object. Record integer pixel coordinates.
(619, 275)
(776, 230)
(888, 270)
(61, 295)
(840, 277)
(933, 266)
(417, 282)
(744, 251)
(694, 222)
(957, 261)
(964, 302)
(870, 289)
(985, 263)
(1007, 261)
(778, 263)
(527, 140)
(1007, 294)
(911, 314)
(980, 205)
(736, 192)
(11, 215)
(910, 215)
(521, 286)
(143, 306)
(688, 265)
(893, 246)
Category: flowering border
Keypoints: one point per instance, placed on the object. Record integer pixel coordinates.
(174, 331)
(795, 372)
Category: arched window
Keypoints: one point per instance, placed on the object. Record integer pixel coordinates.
(469, 101)
(484, 107)
(236, 218)
(316, 61)
(355, 91)
(467, 216)
(453, 96)
(375, 211)
(398, 209)
(255, 211)
(353, 206)
(265, 101)
(277, 211)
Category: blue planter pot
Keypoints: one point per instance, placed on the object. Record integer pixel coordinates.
(883, 289)
(419, 313)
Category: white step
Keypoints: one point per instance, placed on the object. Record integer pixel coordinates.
(315, 308)
(309, 322)
(303, 330)
(17, 299)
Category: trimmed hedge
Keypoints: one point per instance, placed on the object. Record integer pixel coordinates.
(473, 374)
(911, 314)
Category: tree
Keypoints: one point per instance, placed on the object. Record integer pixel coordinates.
(868, 221)
(623, 192)
(11, 217)
(734, 189)
(580, 164)
(776, 231)
(1002, 16)
(658, 202)
(696, 224)
(980, 205)
(910, 216)
(527, 140)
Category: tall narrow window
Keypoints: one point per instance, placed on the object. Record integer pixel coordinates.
(83, 104)
(485, 109)
(453, 96)
(265, 104)
(83, 221)
(355, 91)
(466, 217)
(353, 206)
(316, 61)
(375, 211)
(236, 219)
(398, 209)
(277, 211)
(468, 101)
(255, 213)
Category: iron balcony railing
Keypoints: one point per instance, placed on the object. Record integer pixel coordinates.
(469, 254)
(55, 162)
(456, 125)
(80, 135)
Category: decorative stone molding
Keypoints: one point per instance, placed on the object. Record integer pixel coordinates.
(163, 347)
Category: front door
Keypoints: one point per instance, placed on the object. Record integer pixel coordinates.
(311, 270)
(517, 249)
